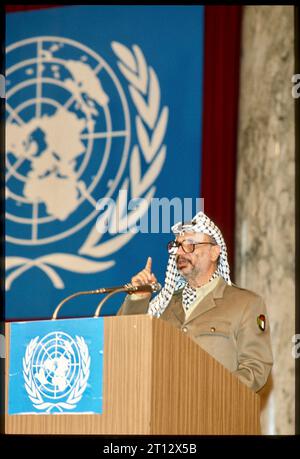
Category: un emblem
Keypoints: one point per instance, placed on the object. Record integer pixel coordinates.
(56, 370)
(68, 142)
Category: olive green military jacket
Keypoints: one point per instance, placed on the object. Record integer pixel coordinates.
(230, 323)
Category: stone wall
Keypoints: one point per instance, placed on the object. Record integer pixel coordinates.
(265, 220)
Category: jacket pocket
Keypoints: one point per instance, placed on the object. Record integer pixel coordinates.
(213, 328)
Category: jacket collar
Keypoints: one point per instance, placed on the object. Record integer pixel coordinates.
(205, 305)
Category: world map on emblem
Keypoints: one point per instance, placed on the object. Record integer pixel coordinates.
(60, 138)
(55, 365)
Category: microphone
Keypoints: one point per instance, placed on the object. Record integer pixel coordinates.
(155, 287)
(129, 288)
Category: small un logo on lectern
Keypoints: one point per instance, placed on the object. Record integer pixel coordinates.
(56, 369)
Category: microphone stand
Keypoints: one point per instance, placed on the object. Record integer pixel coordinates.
(109, 295)
(128, 288)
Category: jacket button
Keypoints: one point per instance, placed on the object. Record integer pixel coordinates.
(184, 329)
(212, 329)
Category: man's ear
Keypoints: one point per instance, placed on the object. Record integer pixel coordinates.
(215, 252)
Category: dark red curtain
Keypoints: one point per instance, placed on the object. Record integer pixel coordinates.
(220, 115)
(12, 8)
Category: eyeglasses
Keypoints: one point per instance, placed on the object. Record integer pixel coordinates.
(187, 246)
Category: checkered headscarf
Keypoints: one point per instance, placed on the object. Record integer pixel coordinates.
(174, 281)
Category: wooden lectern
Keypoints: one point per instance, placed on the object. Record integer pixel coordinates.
(156, 381)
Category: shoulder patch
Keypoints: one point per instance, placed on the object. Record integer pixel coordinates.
(261, 322)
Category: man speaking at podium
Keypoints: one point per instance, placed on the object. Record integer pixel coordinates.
(228, 322)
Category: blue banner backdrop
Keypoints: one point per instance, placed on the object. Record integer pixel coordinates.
(99, 99)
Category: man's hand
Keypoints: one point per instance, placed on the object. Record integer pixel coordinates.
(144, 277)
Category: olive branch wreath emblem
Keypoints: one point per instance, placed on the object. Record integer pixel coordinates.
(151, 124)
(76, 392)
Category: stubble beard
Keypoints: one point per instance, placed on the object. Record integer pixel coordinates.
(187, 270)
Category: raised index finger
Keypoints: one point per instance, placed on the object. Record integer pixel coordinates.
(149, 264)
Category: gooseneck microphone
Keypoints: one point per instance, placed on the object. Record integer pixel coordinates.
(127, 288)
(155, 287)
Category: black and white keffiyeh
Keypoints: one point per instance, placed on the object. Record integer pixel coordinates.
(174, 281)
